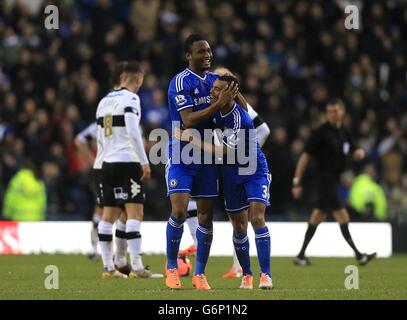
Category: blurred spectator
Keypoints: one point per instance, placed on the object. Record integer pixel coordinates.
(25, 196)
(367, 197)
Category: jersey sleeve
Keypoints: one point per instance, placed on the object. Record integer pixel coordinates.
(179, 94)
(252, 113)
(311, 146)
(133, 106)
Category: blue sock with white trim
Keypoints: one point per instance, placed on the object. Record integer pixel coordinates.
(262, 238)
(175, 229)
(204, 235)
(241, 243)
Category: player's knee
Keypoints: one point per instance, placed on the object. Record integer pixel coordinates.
(239, 227)
(239, 224)
(205, 219)
(180, 213)
(258, 220)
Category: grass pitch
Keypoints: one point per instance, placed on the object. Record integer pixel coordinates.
(23, 277)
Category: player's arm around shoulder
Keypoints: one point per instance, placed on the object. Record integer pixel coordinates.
(192, 118)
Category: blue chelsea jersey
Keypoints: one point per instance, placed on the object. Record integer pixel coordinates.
(238, 126)
(189, 90)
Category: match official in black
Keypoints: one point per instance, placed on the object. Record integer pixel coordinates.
(330, 145)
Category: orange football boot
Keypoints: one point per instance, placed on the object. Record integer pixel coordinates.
(190, 251)
(200, 283)
(233, 274)
(172, 279)
(247, 282)
(265, 282)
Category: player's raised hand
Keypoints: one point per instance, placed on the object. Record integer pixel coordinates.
(296, 191)
(178, 133)
(228, 93)
(234, 88)
(146, 172)
(183, 135)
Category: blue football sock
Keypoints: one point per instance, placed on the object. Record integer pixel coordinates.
(241, 243)
(262, 237)
(204, 235)
(175, 229)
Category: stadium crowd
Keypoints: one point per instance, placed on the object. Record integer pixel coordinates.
(291, 57)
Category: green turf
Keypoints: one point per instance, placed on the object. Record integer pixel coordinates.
(22, 277)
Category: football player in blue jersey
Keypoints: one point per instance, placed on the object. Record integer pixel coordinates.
(190, 106)
(246, 182)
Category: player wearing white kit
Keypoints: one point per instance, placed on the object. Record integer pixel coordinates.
(82, 142)
(125, 167)
(263, 131)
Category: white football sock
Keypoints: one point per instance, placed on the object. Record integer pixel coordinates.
(94, 233)
(105, 230)
(134, 242)
(120, 240)
(236, 265)
(193, 225)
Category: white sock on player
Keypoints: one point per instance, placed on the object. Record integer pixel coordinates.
(120, 258)
(236, 265)
(94, 233)
(134, 242)
(193, 225)
(105, 230)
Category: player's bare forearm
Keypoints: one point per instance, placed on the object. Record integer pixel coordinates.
(192, 118)
(301, 165)
(84, 151)
(240, 99)
(210, 148)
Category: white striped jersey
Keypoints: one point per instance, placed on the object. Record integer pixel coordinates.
(113, 132)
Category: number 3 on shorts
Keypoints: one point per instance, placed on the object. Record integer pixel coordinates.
(266, 188)
(265, 191)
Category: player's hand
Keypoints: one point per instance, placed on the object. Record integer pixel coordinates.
(183, 135)
(228, 93)
(359, 154)
(296, 191)
(146, 172)
(178, 133)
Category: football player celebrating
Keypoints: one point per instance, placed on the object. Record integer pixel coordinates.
(242, 190)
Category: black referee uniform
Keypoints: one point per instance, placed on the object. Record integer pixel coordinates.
(330, 147)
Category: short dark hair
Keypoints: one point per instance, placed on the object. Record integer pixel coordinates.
(124, 67)
(336, 101)
(190, 41)
(229, 79)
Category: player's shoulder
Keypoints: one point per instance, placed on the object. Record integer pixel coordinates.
(180, 81)
(213, 75)
(130, 95)
(241, 109)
